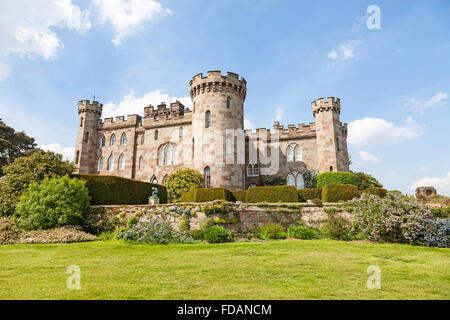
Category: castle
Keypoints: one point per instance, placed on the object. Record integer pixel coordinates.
(210, 138)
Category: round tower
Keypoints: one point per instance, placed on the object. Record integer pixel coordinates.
(331, 135)
(88, 143)
(217, 126)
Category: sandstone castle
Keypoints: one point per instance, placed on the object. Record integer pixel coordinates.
(210, 138)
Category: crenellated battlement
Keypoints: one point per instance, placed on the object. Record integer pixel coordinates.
(133, 120)
(291, 132)
(88, 107)
(332, 104)
(216, 82)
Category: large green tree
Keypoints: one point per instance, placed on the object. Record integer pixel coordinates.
(13, 145)
(182, 181)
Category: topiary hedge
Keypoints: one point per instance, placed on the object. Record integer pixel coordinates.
(272, 194)
(338, 192)
(239, 195)
(380, 192)
(207, 195)
(326, 178)
(309, 194)
(112, 190)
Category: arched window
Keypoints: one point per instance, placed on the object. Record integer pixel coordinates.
(175, 155)
(122, 162)
(156, 134)
(143, 139)
(100, 164)
(208, 119)
(256, 170)
(295, 179)
(331, 168)
(207, 173)
(290, 154)
(168, 154)
(86, 137)
(161, 156)
(249, 170)
(141, 163)
(111, 163)
(81, 122)
(228, 102)
(102, 142)
(123, 139)
(164, 180)
(112, 142)
(180, 132)
(298, 154)
(153, 180)
(228, 145)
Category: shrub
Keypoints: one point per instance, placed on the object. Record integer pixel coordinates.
(239, 195)
(437, 233)
(53, 203)
(310, 178)
(217, 207)
(182, 181)
(217, 234)
(111, 190)
(380, 192)
(364, 181)
(9, 232)
(337, 228)
(155, 231)
(207, 195)
(206, 223)
(184, 224)
(303, 232)
(326, 178)
(440, 212)
(59, 235)
(97, 221)
(391, 219)
(25, 170)
(271, 231)
(339, 192)
(272, 194)
(309, 194)
(197, 234)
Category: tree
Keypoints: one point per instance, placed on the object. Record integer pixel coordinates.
(13, 145)
(310, 178)
(53, 203)
(25, 170)
(182, 181)
(365, 181)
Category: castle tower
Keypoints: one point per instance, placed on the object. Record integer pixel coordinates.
(87, 141)
(218, 106)
(331, 135)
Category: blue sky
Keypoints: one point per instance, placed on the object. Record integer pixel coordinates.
(394, 82)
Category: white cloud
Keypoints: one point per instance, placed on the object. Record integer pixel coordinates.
(135, 105)
(442, 185)
(375, 132)
(423, 169)
(67, 152)
(368, 158)
(422, 105)
(27, 27)
(344, 51)
(248, 125)
(127, 16)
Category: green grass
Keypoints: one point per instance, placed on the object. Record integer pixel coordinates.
(318, 269)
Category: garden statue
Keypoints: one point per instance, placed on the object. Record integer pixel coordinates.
(154, 198)
(155, 192)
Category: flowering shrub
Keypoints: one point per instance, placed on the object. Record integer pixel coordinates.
(337, 227)
(155, 231)
(59, 235)
(437, 233)
(392, 219)
(9, 232)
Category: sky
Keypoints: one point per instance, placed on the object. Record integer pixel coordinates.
(390, 67)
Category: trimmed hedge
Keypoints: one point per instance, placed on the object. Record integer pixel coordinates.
(380, 192)
(239, 195)
(272, 194)
(207, 195)
(338, 192)
(112, 190)
(309, 194)
(326, 178)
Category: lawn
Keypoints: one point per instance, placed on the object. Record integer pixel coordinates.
(289, 269)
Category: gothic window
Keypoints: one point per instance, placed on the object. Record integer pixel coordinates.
(208, 119)
(298, 154)
(180, 132)
(141, 163)
(100, 164)
(112, 142)
(168, 155)
(290, 154)
(252, 170)
(207, 174)
(256, 170)
(102, 142)
(143, 139)
(164, 180)
(228, 102)
(249, 170)
(153, 180)
(156, 134)
(122, 162)
(111, 163)
(123, 139)
(295, 179)
(161, 156)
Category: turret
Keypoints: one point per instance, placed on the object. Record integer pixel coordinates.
(87, 144)
(218, 106)
(331, 135)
